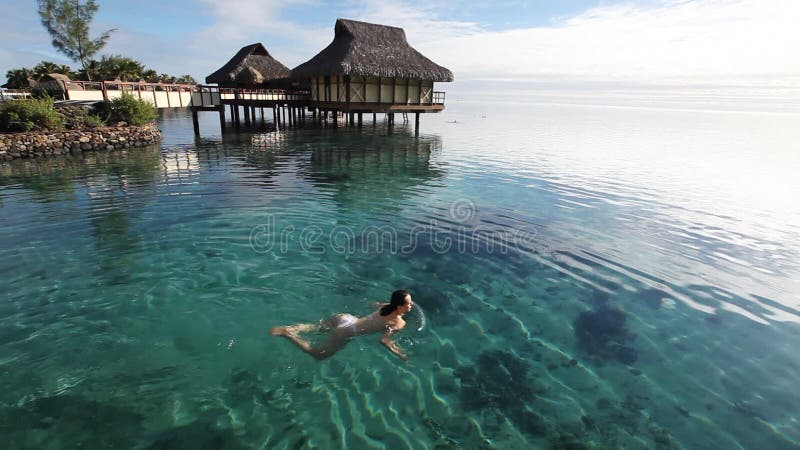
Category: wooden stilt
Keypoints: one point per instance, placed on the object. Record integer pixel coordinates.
(335, 118)
(416, 123)
(374, 119)
(237, 119)
(195, 123)
(222, 119)
(360, 119)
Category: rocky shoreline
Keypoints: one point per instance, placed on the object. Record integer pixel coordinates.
(47, 143)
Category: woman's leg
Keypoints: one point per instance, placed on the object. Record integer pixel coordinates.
(335, 342)
(326, 349)
(294, 329)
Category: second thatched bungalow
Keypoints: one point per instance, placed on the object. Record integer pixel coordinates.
(372, 68)
(251, 67)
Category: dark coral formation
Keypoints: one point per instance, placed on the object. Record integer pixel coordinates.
(602, 335)
(652, 297)
(499, 381)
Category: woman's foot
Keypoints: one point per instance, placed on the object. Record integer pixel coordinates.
(279, 331)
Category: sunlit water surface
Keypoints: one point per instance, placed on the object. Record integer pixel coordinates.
(612, 277)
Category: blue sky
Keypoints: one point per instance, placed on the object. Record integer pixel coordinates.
(669, 41)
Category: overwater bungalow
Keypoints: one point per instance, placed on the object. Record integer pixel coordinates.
(372, 68)
(252, 67)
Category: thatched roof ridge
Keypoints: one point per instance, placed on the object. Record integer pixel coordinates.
(368, 49)
(255, 57)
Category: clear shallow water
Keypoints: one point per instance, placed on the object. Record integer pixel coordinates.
(619, 277)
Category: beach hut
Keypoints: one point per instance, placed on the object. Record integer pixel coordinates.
(372, 68)
(55, 85)
(252, 66)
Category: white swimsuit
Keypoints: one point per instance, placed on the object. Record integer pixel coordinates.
(347, 322)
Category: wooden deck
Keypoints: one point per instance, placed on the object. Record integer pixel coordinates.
(377, 107)
(287, 107)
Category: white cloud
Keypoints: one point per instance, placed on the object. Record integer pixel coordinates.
(240, 19)
(421, 23)
(676, 40)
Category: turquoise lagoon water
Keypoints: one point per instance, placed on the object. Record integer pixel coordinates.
(592, 277)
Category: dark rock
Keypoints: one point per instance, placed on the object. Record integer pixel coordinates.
(714, 319)
(499, 381)
(652, 297)
(603, 403)
(602, 334)
(626, 354)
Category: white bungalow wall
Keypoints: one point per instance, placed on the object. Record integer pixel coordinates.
(160, 99)
(391, 90)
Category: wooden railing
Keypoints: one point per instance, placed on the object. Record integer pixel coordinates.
(127, 86)
(13, 94)
(161, 95)
(438, 98)
(206, 96)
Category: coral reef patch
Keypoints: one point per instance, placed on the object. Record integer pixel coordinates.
(603, 335)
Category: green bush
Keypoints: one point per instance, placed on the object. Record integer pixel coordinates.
(29, 114)
(76, 117)
(132, 110)
(93, 121)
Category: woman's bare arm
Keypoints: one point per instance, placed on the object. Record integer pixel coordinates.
(386, 341)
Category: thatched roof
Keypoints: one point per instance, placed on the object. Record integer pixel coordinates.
(251, 66)
(56, 81)
(368, 49)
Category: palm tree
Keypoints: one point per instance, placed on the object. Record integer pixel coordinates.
(186, 79)
(18, 79)
(91, 67)
(150, 76)
(128, 69)
(45, 68)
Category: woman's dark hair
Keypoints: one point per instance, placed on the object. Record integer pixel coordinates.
(398, 299)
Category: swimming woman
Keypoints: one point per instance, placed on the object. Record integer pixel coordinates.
(387, 319)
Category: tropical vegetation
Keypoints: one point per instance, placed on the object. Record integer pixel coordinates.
(68, 23)
(29, 114)
(108, 67)
(132, 110)
(39, 114)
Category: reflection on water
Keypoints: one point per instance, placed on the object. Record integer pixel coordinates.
(592, 278)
